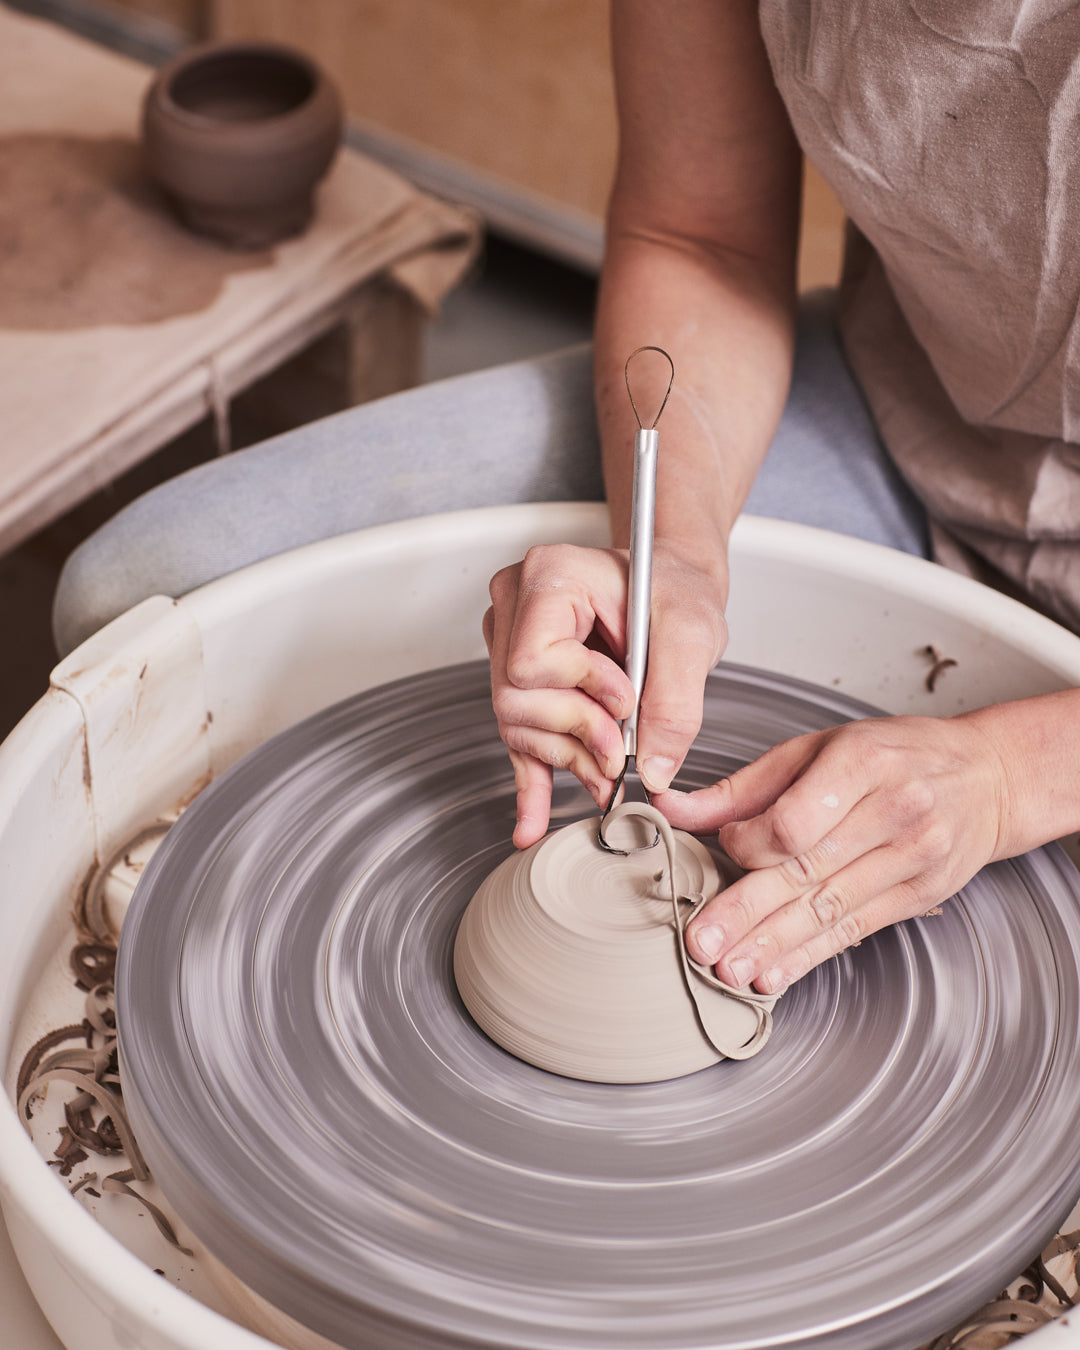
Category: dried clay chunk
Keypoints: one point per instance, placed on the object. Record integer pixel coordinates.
(570, 957)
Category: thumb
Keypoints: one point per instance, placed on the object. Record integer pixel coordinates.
(681, 654)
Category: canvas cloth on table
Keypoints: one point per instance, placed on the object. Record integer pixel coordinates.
(108, 304)
(949, 130)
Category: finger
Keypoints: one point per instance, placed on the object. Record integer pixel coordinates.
(541, 654)
(908, 899)
(747, 792)
(498, 621)
(515, 705)
(849, 904)
(528, 719)
(670, 715)
(700, 812)
(532, 779)
(560, 752)
(744, 908)
(685, 643)
(858, 763)
(799, 797)
(558, 596)
(566, 712)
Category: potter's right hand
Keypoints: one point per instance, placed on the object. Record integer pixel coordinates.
(556, 636)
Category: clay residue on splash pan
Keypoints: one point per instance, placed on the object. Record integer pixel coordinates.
(86, 239)
(571, 957)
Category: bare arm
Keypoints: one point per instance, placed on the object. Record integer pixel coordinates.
(700, 260)
(700, 256)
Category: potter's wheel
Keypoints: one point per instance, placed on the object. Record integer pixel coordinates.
(319, 1108)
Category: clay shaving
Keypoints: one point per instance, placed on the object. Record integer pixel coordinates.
(117, 1183)
(84, 1055)
(1047, 1289)
(939, 664)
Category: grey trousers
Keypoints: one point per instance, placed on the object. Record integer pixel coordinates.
(518, 433)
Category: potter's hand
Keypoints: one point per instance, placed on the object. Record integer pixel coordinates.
(555, 632)
(844, 831)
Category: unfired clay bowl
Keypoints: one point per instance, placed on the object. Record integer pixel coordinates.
(239, 133)
(570, 956)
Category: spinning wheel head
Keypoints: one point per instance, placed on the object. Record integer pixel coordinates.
(321, 1110)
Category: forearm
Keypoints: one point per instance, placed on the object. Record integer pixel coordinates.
(700, 260)
(1037, 744)
(728, 325)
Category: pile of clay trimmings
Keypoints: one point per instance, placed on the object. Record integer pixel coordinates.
(81, 1058)
(572, 957)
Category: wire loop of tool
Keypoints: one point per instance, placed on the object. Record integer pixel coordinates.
(613, 801)
(667, 393)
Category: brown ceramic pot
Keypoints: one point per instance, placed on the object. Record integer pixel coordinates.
(239, 133)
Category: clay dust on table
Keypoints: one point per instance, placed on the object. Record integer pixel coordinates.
(87, 239)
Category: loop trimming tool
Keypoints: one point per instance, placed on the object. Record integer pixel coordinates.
(639, 586)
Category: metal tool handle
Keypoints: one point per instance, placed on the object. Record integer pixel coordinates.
(639, 584)
(639, 594)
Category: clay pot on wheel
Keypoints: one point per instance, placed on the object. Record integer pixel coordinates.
(239, 133)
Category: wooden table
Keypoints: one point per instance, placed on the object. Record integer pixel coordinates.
(119, 328)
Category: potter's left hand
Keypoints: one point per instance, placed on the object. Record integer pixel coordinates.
(843, 831)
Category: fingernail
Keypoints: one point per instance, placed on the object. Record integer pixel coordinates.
(771, 981)
(657, 772)
(742, 971)
(706, 943)
(613, 767)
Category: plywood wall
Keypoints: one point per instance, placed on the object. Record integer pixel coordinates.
(187, 18)
(520, 91)
(822, 245)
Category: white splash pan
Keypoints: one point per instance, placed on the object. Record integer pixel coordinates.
(146, 712)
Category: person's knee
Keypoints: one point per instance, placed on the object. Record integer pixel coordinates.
(521, 432)
(89, 594)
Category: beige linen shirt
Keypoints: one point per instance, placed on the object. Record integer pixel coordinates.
(950, 131)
